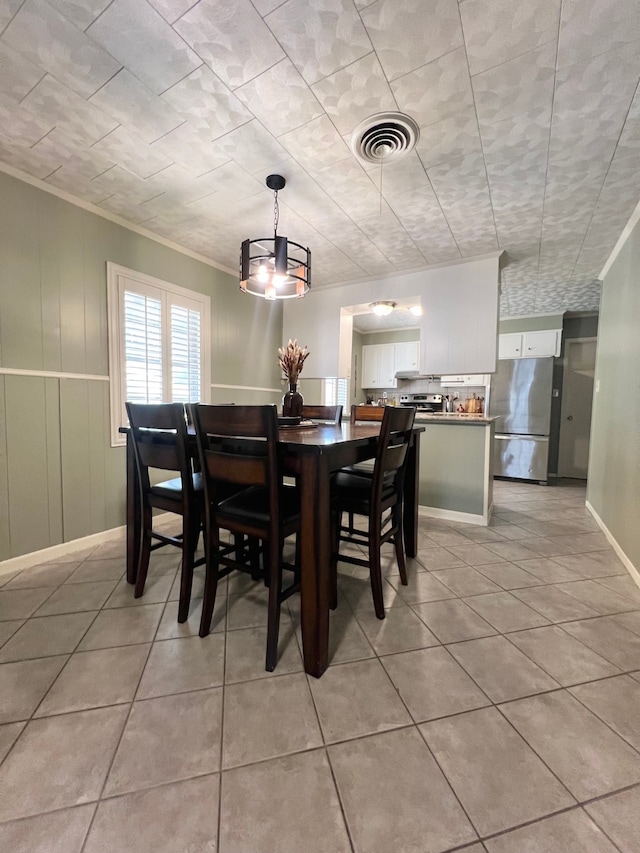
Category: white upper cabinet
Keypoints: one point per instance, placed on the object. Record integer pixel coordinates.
(406, 355)
(381, 362)
(530, 344)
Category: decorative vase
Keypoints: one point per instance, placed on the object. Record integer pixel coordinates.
(292, 402)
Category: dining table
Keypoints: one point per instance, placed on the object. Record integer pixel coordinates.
(311, 454)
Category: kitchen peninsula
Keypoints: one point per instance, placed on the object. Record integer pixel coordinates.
(456, 466)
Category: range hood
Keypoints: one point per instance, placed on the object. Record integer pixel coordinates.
(415, 374)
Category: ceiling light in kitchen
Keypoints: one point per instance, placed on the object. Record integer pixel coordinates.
(416, 310)
(382, 308)
(274, 267)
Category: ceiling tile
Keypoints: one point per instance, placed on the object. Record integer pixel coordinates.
(26, 128)
(251, 146)
(397, 177)
(82, 13)
(46, 38)
(356, 92)
(126, 209)
(320, 36)
(522, 85)
(54, 102)
(76, 185)
(8, 10)
(17, 74)
(132, 152)
(24, 158)
(207, 102)
(402, 37)
(190, 149)
(142, 40)
(350, 187)
(232, 181)
(131, 103)
(231, 37)
(316, 144)
(120, 181)
(171, 10)
(590, 27)
(66, 151)
(453, 137)
(498, 30)
(437, 90)
(280, 98)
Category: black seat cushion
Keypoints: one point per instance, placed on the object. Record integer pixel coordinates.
(252, 505)
(172, 489)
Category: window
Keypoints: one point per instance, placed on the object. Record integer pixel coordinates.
(158, 343)
(334, 392)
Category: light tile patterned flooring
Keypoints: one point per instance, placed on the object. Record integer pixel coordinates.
(496, 708)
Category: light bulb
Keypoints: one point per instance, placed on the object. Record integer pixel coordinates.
(416, 310)
(263, 273)
(382, 308)
(278, 279)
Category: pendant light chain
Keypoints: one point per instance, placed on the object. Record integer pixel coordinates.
(276, 213)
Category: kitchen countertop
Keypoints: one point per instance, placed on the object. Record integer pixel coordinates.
(455, 418)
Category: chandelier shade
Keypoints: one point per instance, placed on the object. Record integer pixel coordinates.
(275, 267)
(382, 308)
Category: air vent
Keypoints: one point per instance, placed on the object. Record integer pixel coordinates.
(384, 136)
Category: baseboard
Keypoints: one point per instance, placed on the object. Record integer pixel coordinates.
(633, 571)
(54, 552)
(453, 515)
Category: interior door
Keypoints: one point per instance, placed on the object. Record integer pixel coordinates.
(577, 397)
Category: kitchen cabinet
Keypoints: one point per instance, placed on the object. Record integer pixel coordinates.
(462, 380)
(406, 355)
(530, 344)
(378, 366)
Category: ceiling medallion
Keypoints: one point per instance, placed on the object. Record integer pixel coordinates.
(274, 267)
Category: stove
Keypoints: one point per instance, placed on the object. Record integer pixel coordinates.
(423, 402)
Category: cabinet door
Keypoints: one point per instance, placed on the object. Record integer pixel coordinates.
(370, 359)
(407, 355)
(541, 343)
(510, 346)
(386, 366)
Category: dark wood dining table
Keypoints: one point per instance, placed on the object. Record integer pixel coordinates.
(311, 455)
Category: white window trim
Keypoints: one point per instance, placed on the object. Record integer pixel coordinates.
(115, 273)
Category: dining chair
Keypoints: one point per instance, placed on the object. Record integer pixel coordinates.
(329, 414)
(159, 436)
(237, 448)
(366, 413)
(378, 497)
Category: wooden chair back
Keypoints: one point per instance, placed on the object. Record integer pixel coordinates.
(331, 414)
(237, 446)
(159, 435)
(393, 447)
(367, 413)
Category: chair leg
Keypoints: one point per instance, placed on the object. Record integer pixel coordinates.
(212, 547)
(275, 587)
(145, 552)
(190, 536)
(397, 541)
(375, 569)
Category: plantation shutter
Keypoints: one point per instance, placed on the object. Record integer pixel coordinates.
(185, 354)
(142, 348)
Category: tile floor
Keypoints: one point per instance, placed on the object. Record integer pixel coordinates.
(495, 709)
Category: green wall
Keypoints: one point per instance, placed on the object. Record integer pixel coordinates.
(59, 477)
(614, 459)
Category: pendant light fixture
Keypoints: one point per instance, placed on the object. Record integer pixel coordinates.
(274, 267)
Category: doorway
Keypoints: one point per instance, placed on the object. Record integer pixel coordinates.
(577, 398)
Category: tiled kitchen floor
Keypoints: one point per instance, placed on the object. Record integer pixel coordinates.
(496, 708)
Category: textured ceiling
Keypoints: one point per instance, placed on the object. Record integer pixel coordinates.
(170, 114)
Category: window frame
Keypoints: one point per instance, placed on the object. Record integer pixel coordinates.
(119, 279)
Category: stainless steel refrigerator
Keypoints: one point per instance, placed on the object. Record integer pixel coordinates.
(520, 394)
